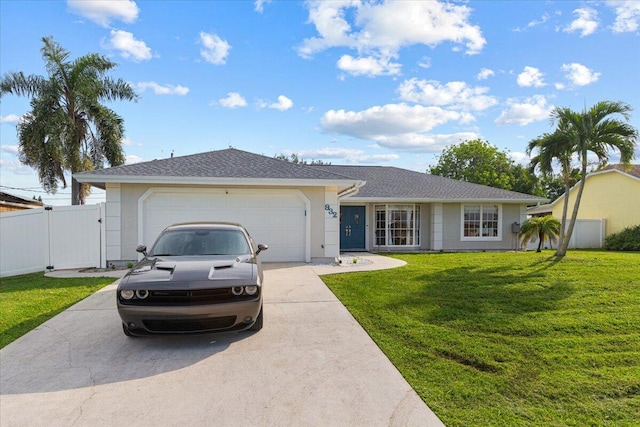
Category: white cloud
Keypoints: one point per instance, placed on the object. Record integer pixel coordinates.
(579, 75)
(129, 143)
(368, 66)
(102, 12)
(586, 22)
(11, 119)
(233, 100)
(214, 49)
(381, 29)
(10, 149)
(424, 143)
(531, 76)
(16, 167)
(390, 119)
(163, 90)
(128, 46)
(485, 73)
(627, 15)
(456, 95)
(131, 159)
(425, 62)
(259, 5)
(397, 126)
(349, 155)
(519, 158)
(283, 104)
(522, 113)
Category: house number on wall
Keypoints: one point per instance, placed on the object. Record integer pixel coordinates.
(329, 209)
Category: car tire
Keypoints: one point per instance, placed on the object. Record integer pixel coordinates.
(258, 323)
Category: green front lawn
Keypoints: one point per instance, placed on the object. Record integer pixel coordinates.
(29, 300)
(509, 339)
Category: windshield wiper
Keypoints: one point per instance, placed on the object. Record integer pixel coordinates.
(157, 255)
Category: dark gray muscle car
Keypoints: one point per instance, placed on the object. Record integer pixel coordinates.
(197, 278)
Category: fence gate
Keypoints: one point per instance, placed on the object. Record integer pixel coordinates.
(55, 237)
(74, 237)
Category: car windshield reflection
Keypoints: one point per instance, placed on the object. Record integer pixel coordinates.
(200, 243)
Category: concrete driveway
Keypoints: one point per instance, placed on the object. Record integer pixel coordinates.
(311, 365)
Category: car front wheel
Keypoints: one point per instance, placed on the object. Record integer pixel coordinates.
(258, 324)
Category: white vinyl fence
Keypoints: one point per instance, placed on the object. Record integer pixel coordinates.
(587, 233)
(54, 237)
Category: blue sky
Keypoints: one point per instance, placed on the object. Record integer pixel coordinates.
(348, 82)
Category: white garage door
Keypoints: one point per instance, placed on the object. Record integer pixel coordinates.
(275, 217)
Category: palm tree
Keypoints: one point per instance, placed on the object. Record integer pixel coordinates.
(594, 131)
(542, 227)
(68, 129)
(559, 147)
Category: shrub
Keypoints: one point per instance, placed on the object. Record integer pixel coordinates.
(625, 240)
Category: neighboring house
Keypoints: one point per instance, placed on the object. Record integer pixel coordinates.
(612, 194)
(11, 202)
(305, 212)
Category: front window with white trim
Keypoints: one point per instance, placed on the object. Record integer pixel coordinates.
(397, 225)
(481, 222)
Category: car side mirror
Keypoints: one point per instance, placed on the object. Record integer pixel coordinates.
(261, 248)
(142, 249)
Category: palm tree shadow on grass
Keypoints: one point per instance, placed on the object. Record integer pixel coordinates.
(487, 296)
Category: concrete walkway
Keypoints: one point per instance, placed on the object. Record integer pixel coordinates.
(311, 365)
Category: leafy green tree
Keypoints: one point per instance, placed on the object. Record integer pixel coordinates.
(553, 184)
(541, 226)
(591, 131)
(525, 181)
(480, 162)
(68, 127)
(475, 161)
(295, 158)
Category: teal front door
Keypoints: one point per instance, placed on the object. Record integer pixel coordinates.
(352, 228)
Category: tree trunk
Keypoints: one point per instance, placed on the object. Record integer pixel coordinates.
(567, 187)
(76, 193)
(562, 250)
(540, 240)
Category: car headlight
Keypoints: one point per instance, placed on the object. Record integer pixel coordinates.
(127, 294)
(142, 293)
(251, 289)
(237, 290)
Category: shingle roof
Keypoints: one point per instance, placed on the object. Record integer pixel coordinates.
(227, 163)
(634, 170)
(385, 182)
(382, 182)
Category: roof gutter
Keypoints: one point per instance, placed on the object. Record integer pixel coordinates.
(351, 191)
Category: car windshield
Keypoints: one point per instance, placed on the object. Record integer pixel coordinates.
(200, 242)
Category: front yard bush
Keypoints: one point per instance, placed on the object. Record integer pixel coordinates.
(625, 240)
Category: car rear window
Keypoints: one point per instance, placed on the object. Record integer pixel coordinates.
(200, 242)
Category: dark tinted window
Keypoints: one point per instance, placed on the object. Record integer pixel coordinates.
(201, 242)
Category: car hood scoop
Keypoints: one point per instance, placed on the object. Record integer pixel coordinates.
(194, 269)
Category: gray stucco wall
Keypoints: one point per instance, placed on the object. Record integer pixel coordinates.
(452, 219)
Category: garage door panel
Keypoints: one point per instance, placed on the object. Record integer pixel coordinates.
(276, 218)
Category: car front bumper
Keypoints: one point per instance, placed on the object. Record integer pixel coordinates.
(189, 319)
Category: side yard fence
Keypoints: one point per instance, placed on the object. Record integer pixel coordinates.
(587, 233)
(54, 237)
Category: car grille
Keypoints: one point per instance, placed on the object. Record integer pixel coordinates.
(186, 325)
(186, 298)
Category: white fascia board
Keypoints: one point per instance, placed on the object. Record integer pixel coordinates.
(278, 182)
